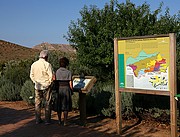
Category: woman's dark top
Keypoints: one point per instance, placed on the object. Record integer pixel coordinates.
(63, 76)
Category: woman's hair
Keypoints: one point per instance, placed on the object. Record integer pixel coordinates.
(63, 62)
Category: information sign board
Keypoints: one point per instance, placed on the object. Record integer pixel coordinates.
(143, 63)
(83, 83)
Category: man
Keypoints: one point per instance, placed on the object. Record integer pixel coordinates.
(42, 75)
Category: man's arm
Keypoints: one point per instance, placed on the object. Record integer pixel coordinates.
(50, 73)
(32, 74)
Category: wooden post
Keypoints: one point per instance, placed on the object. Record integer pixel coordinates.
(173, 85)
(82, 107)
(117, 93)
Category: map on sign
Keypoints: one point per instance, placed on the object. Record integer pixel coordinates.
(144, 63)
(80, 82)
(83, 84)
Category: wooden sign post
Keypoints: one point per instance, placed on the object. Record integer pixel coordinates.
(146, 65)
(83, 85)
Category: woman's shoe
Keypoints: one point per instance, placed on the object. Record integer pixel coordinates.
(60, 123)
(65, 124)
(39, 121)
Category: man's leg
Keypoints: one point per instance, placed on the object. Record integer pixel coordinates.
(47, 96)
(38, 101)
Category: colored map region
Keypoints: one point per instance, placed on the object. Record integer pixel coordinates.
(150, 66)
(147, 63)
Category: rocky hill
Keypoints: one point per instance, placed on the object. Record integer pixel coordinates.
(11, 51)
(61, 47)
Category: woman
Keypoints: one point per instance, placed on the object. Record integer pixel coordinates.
(64, 79)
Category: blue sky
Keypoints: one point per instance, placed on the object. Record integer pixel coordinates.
(31, 22)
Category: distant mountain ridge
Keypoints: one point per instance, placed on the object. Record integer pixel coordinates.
(61, 47)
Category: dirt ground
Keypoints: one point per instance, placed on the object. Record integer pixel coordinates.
(17, 120)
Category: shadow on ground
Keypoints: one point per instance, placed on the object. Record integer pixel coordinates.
(18, 121)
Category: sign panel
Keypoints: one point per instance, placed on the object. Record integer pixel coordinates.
(143, 63)
(83, 83)
(80, 82)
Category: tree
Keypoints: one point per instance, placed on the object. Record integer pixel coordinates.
(93, 34)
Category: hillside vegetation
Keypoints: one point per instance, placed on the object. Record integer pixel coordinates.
(10, 51)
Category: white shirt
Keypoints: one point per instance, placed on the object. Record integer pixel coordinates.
(41, 74)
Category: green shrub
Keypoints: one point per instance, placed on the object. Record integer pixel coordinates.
(17, 71)
(9, 91)
(100, 100)
(146, 101)
(110, 111)
(90, 103)
(75, 100)
(27, 90)
(127, 104)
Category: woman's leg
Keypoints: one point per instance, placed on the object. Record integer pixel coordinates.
(59, 116)
(65, 117)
